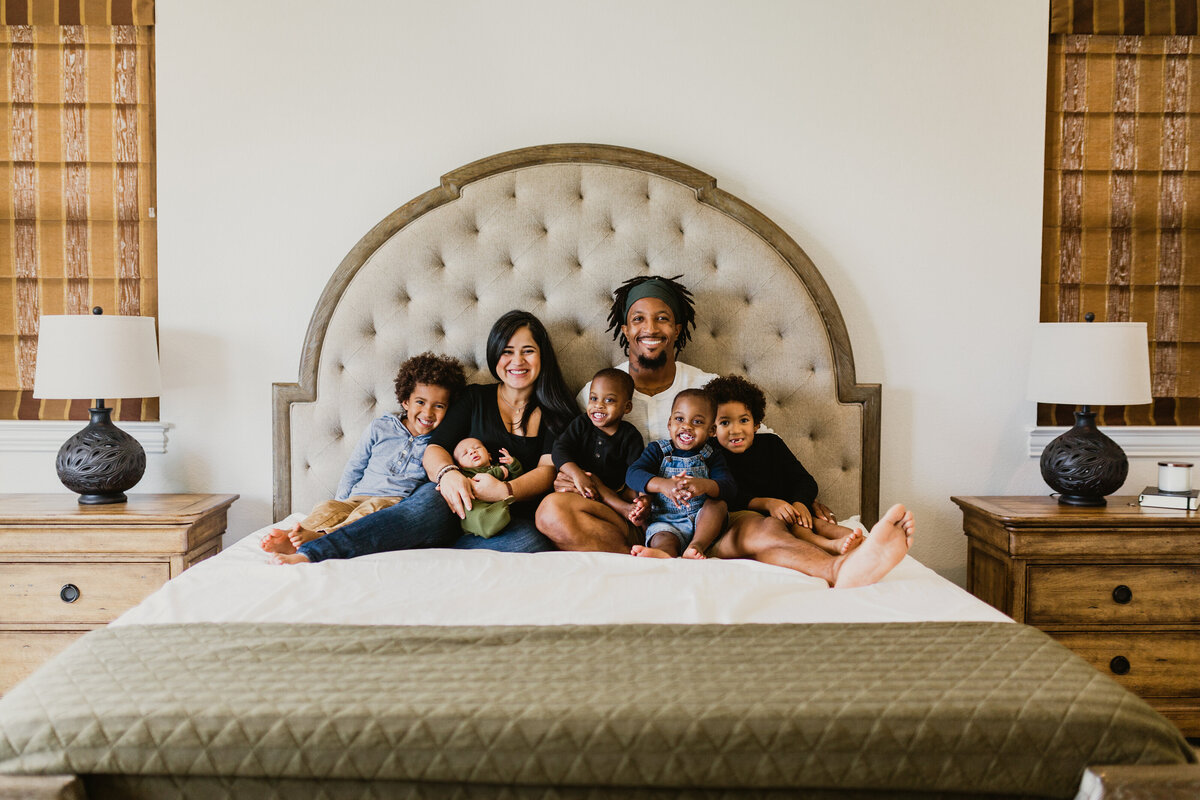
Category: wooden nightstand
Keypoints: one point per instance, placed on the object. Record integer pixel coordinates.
(66, 569)
(1118, 584)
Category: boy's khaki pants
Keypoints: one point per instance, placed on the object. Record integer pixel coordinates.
(329, 515)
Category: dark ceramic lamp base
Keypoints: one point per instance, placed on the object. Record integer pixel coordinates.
(1083, 465)
(101, 461)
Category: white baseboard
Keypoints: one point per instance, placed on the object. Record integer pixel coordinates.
(42, 436)
(1137, 441)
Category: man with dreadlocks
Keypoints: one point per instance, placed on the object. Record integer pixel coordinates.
(652, 319)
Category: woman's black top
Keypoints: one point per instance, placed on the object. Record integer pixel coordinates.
(768, 469)
(475, 414)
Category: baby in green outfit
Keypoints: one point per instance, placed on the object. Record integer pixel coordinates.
(486, 519)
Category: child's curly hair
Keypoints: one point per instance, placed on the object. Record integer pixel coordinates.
(687, 309)
(431, 369)
(736, 389)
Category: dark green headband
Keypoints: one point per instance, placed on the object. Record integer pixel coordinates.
(658, 289)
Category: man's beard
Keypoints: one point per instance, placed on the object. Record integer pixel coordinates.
(657, 362)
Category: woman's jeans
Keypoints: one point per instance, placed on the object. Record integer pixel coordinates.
(421, 520)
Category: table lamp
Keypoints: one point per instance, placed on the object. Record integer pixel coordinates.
(96, 356)
(1085, 364)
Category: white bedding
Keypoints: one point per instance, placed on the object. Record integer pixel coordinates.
(475, 587)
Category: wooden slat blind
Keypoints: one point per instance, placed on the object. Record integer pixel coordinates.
(1122, 200)
(76, 224)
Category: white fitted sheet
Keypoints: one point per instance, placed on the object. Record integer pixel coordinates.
(476, 587)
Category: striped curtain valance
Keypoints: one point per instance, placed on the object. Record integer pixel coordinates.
(1122, 206)
(77, 225)
(77, 12)
(1125, 17)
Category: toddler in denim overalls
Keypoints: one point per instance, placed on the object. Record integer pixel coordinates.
(685, 477)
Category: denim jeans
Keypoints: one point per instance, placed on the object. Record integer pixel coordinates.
(421, 520)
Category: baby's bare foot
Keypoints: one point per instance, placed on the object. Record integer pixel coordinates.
(289, 558)
(881, 551)
(276, 541)
(648, 552)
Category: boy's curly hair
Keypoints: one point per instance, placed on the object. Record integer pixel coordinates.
(432, 369)
(736, 389)
(616, 314)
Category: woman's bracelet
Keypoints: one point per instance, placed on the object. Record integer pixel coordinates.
(442, 472)
(508, 486)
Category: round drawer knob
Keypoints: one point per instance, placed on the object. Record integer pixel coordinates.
(1119, 665)
(1122, 594)
(69, 593)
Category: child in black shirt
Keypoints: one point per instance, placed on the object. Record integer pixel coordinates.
(598, 446)
(770, 479)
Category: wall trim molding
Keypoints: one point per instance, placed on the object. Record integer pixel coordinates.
(47, 436)
(1140, 441)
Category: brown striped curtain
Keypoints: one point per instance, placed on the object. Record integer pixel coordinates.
(77, 225)
(1122, 196)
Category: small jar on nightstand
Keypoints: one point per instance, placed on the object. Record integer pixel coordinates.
(67, 568)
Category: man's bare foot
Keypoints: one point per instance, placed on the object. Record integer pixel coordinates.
(289, 558)
(648, 552)
(883, 549)
(298, 536)
(276, 541)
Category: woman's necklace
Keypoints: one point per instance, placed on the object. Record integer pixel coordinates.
(518, 413)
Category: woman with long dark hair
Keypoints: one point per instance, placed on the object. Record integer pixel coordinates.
(521, 413)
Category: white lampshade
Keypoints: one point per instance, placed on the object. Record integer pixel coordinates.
(1090, 364)
(96, 356)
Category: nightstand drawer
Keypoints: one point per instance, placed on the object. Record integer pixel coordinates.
(22, 653)
(75, 593)
(1113, 594)
(1159, 664)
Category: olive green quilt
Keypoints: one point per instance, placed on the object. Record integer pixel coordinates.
(598, 710)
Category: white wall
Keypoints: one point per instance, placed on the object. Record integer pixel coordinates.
(900, 143)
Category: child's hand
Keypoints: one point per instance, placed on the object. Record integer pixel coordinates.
(505, 458)
(822, 511)
(803, 518)
(780, 510)
(682, 490)
(693, 553)
(586, 485)
(637, 510)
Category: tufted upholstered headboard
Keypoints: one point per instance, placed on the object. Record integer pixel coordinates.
(553, 230)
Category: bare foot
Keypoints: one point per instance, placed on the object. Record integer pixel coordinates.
(693, 553)
(298, 536)
(648, 552)
(289, 558)
(848, 542)
(883, 549)
(276, 541)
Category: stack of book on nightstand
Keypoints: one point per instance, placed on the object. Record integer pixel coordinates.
(1156, 498)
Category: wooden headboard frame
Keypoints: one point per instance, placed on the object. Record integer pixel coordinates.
(286, 396)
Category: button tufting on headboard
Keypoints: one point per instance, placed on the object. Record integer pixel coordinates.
(515, 232)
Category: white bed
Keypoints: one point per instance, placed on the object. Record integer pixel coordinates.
(475, 587)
